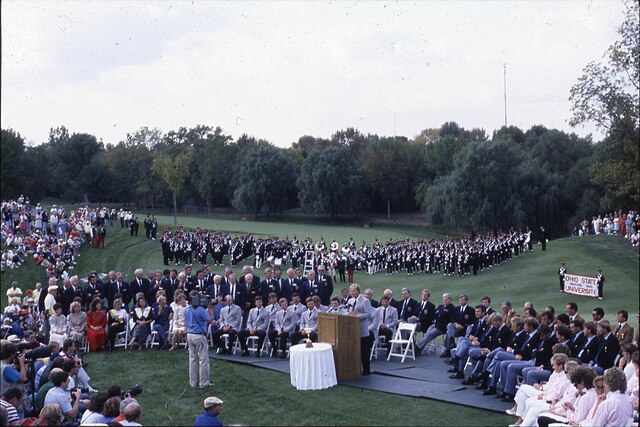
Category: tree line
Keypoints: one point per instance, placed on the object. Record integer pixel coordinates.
(460, 178)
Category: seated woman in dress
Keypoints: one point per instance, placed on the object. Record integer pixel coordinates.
(58, 325)
(142, 315)
(179, 323)
(162, 315)
(96, 322)
(77, 321)
(118, 319)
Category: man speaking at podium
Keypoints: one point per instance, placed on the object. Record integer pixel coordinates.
(360, 306)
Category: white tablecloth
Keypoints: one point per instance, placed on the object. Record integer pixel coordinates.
(312, 368)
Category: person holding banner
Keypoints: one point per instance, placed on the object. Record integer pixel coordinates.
(600, 278)
(561, 271)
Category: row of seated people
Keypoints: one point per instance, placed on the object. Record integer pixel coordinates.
(576, 395)
(499, 351)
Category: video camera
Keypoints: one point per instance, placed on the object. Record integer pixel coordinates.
(200, 300)
(132, 391)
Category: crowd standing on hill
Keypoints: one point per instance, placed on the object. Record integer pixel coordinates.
(613, 224)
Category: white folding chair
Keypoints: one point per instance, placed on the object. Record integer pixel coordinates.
(404, 345)
(236, 344)
(122, 338)
(380, 344)
(252, 344)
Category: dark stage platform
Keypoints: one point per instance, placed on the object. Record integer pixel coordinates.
(426, 377)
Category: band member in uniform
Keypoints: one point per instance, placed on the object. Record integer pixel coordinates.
(600, 278)
(561, 272)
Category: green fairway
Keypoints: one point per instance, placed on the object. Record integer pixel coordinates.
(259, 397)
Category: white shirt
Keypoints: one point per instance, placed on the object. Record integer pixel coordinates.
(615, 410)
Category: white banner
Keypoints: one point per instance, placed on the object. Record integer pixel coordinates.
(581, 285)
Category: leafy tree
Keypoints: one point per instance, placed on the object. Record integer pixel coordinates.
(214, 154)
(330, 183)
(174, 174)
(12, 158)
(385, 168)
(609, 93)
(481, 193)
(266, 177)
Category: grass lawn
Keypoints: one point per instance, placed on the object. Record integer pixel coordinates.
(259, 397)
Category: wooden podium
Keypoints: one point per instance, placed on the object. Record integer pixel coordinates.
(343, 333)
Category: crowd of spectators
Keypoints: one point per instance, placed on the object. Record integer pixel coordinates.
(616, 223)
(498, 346)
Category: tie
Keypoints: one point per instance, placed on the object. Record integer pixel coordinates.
(404, 306)
(423, 304)
(233, 292)
(258, 316)
(355, 301)
(384, 316)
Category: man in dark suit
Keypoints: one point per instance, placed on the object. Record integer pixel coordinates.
(486, 301)
(91, 291)
(532, 355)
(217, 287)
(578, 338)
(169, 284)
(325, 286)
(280, 284)
(121, 287)
(463, 317)
(589, 350)
(408, 306)
(608, 350)
(311, 285)
(238, 292)
(200, 283)
(70, 292)
(139, 284)
(268, 285)
(444, 312)
(254, 289)
(498, 336)
(478, 330)
(523, 344)
(425, 314)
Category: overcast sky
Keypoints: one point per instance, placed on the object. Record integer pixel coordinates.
(280, 70)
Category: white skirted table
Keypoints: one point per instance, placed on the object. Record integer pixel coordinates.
(312, 368)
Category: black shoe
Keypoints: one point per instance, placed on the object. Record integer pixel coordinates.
(482, 386)
(417, 348)
(508, 398)
(452, 370)
(283, 356)
(501, 395)
(258, 354)
(457, 376)
(448, 361)
(469, 381)
(446, 353)
(489, 392)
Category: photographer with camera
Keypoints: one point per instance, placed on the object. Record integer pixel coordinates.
(14, 369)
(69, 405)
(198, 320)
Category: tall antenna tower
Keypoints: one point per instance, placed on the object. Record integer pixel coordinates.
(504, 68)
